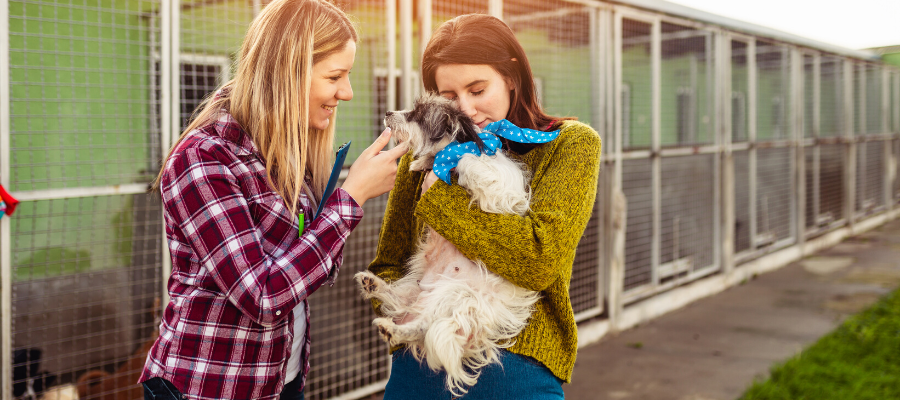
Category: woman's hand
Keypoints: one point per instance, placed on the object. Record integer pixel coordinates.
(430, 179)
(374, 171)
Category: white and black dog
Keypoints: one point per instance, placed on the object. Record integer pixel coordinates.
(448, 310)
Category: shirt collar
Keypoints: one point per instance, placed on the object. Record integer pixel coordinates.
(237, 139)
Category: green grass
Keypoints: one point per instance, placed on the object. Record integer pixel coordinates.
(859, 360)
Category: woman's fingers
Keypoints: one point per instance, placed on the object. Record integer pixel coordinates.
(397, 151)
(374, 171)
(383, 139)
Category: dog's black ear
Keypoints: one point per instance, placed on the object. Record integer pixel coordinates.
(467, 131)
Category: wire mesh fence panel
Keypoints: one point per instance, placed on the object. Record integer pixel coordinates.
(875, 173)
(584, 287)
(740, 89)
(811, 183)
(831, 95)
(895, 190)
(445, 9)
(875, 85)
(809, 91)
(831, 184)
(869, 176)
(772, 91)
(86, 287)
(894, 110)
(688, 216)
(637, 184)
(637, 90)
(742, 203)
(686, 86)
(558, 46)
(361, 120)
(79, 93)
(347, 353)
(557, 39)
(85, 270)
(211, 33)
(859, 98)
(774, 196)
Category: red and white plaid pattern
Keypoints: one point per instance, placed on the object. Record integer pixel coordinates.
(238, 268)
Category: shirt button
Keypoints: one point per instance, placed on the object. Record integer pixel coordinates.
(278, 312)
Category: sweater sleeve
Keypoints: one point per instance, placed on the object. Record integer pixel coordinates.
(529, 250)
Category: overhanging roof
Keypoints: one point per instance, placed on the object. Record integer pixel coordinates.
(679, 10)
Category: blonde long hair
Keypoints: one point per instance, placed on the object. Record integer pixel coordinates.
(269, 95)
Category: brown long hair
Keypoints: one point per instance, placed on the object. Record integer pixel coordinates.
(479, 39)
(269, 95)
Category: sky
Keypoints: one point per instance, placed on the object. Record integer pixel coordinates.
(854, 24)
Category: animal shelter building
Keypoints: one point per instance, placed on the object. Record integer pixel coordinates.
(738, 149)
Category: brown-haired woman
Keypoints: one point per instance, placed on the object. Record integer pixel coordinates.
(477, 61)
(238, 188)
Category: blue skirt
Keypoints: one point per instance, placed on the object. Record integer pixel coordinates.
(518, 378)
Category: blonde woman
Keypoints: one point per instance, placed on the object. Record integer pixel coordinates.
(238, 189)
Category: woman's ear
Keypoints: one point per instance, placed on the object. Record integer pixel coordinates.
(510, 84)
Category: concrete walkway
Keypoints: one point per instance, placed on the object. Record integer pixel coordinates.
(714, 348)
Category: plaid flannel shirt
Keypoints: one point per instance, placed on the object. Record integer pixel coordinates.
(239, 268)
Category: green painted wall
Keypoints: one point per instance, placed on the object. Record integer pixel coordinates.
(892, 58)
(80, 106)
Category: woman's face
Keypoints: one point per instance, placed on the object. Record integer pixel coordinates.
(330, 83)
(479, 90)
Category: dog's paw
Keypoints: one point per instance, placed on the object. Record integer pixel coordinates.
(368, 282)
(385, 330)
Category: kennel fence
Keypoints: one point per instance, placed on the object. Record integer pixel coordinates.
(729, 142)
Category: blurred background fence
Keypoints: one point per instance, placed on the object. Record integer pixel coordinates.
(729, 142)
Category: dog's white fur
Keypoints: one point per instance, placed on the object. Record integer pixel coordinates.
(448, 310)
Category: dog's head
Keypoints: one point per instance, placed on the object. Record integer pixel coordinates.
(433, 122)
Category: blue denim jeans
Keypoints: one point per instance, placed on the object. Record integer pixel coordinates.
(516, 378)
(161, 389)
(291, 392)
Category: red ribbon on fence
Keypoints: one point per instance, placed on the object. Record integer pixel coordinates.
(9, 201)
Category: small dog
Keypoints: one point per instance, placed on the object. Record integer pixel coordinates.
(448, 310)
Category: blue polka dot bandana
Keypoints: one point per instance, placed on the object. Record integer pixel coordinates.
(449, 157)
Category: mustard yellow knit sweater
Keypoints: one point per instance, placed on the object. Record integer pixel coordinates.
(535, 252)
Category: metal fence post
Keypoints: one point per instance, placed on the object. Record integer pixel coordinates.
(406, 54)
(424, 25)
(390, 9)
(495, 8)
(816, 129)
(751, 139)
(797, 110)
(723, 116)
(5, 239)
(655, 134)
(850, 149)
(888, 148)
(616, 240)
